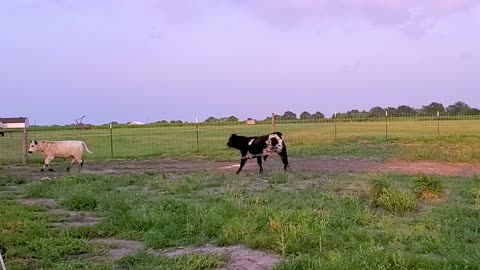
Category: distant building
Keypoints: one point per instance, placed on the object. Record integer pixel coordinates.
(15, 122)
(9, 123)
(135, 123)
(251, 121)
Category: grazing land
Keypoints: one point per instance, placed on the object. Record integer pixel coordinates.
(168, 214)
(402, 138)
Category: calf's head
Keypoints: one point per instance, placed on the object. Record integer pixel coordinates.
(33, 147)
(232, 142)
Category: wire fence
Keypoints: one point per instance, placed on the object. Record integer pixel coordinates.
(190, 140)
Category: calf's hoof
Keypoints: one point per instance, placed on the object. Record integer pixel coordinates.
(42, 170)
(51, 170)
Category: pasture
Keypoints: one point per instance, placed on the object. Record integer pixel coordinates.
(400, 138)
(357, 201)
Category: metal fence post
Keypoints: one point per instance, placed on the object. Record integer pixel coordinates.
(111, 140)
(25, 143)
(438, 123)
(386, 124)
(273, 123)
(335, 127)
(198, 140)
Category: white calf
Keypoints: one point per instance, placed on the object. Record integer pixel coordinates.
(59, 149)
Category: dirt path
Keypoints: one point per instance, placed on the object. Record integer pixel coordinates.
(327, 164)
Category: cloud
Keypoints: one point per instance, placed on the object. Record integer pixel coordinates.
(414, 17)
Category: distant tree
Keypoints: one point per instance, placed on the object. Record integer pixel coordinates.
(288, 115)
(354, 113)
(305, 115)
(406, 110)
(376, 111)
(232, 119)
(459, 107)
(317, 115)
(176, 122)
(432, 109)
(211, 119)
(113, 123)
(391, 110)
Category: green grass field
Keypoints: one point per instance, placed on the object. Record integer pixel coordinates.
(312, 221)
(447, 140)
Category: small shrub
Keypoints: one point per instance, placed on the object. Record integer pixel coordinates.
(396, 201)
(476, 196)
(391, 199)
(427, 187)
(378, 186)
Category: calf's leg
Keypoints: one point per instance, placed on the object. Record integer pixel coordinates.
(74, 160)
(259, 161)
(47, 164)
(242, 163)
(284, 157)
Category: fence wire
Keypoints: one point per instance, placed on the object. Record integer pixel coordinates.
(209, 139)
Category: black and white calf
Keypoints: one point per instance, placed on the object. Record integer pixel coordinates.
(258, 147)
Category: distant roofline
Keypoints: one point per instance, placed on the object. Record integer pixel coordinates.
(9, 120)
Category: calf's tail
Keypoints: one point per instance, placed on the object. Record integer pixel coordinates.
(86, 148)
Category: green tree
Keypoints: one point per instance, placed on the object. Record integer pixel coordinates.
(406, 110)
(211, 119)
(432, 109)
(232, 119)
(376, 112)
(305, 115)
(288, 115)
(318, 115)
(459, 107)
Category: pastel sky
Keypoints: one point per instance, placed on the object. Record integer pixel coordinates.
(125, 60)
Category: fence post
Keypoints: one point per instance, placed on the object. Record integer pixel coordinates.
(25, 143)
(111, 140)
(438, 123)
(335, 127)
(198, 141)
(386, 124)
(273, 122)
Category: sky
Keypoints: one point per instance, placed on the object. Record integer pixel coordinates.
(149, 60)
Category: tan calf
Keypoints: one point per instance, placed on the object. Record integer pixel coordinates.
(59, 149)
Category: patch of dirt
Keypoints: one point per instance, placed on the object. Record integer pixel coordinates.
(72, 218)
(119, 248)
(49, 203)
(326, 164)
(241, 258)
(427, 204)
(369, 165)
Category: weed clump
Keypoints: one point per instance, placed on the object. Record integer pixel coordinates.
(428, 187)
(391, 199)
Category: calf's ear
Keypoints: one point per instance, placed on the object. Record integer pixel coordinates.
(35, 141)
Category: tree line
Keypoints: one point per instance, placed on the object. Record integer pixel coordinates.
(458, 108)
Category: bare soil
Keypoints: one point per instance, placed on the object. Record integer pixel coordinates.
(241, 257)
(327, 164)
(118, 248)
(68, 218)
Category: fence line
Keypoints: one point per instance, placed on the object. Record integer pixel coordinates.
(184, 140)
